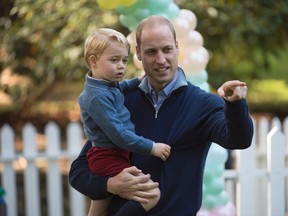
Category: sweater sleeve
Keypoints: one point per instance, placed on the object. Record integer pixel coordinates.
(82, 180)
(129, 85)
(239, 124)
(113, 119)
(232, 125)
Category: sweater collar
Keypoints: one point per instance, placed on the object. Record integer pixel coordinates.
(179, 82)
(99, 82)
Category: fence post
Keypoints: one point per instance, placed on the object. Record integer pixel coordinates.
(8, 174)
(31, 175)
(54, 181)
(263, 129)
(285, 129)
(276, 169)
(74, 140)
(246, 181)
(276, 123)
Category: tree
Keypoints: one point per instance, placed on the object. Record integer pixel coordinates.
(44, 39)
(241, 35)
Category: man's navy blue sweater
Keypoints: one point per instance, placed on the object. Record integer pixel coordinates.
(188, 120)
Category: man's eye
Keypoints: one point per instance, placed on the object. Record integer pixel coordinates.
(168, 49)
(150, 52)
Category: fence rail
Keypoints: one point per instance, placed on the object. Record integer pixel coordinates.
(34, 175)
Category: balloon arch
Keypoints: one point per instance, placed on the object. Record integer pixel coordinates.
(193, 58)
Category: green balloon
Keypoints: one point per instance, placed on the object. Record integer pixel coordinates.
(140, 14)
(199, 78)
(172, 11)
(223, 198)
(129, 22)
(216, 186)
(209, 202)
(159, 6)
(208, 174)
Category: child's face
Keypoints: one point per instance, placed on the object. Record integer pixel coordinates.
(112, 64)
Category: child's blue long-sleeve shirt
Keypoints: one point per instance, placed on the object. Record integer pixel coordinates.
(106, 120)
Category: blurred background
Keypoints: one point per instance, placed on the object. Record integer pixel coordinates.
(42, 67)
(41, 53)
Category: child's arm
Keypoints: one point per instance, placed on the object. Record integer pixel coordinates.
(131, 84)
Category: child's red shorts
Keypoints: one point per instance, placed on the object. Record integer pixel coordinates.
(108, 161)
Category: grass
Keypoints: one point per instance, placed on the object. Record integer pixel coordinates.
(269, 91)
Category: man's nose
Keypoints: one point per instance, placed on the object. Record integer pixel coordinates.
(160, 59)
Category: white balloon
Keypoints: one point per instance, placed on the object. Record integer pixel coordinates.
(204, 53)
(195, 60)
(195, 39)
(189, 16)
(182, 27)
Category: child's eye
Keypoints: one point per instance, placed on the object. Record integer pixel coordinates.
(125, 61)
(114, 60)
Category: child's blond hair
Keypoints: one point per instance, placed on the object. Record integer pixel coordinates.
(98, 41)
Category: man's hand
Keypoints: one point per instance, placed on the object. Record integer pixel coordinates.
(233, 90)
(132, 184)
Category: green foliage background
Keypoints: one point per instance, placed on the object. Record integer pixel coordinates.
(242, 36)
(44, 39)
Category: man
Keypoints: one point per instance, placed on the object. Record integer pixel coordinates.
(166, 108)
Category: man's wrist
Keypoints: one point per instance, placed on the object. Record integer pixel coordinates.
(153, 147)
(109, 186)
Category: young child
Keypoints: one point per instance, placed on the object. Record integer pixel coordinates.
(106, 120)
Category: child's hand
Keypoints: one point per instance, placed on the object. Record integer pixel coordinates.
(161, 150)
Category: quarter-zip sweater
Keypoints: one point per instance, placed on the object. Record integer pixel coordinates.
(106, 120)
(190, 119)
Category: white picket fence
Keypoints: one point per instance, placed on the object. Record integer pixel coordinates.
(34, 170)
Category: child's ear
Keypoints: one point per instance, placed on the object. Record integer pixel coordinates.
(92, 60)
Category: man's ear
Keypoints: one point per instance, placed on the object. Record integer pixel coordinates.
(138, 53)
(177, 47)
(92, 60)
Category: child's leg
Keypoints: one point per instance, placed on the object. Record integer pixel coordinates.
(99, 207)
(131, 208)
